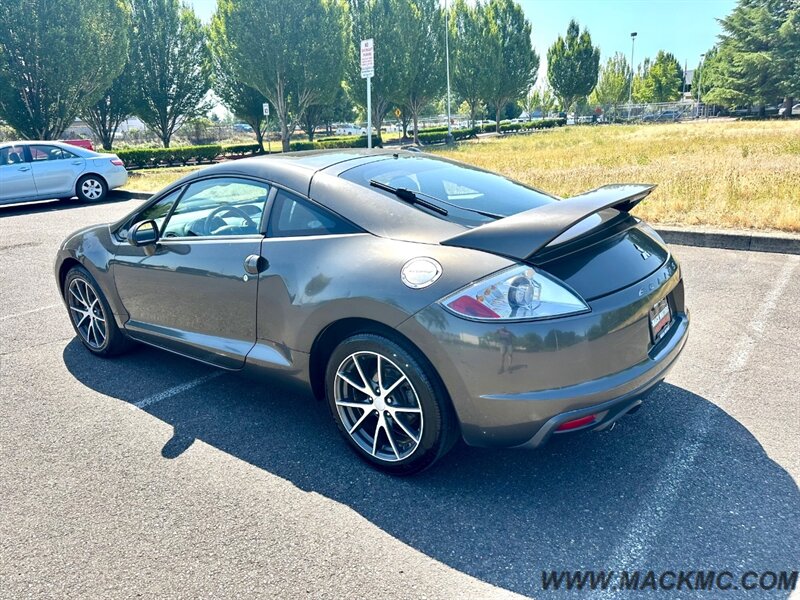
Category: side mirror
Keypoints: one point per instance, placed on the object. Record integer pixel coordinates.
(143, 233)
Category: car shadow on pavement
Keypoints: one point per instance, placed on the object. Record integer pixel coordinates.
(40, 206)
(680, 485)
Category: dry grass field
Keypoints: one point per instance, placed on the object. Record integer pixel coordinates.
(743, 175)
(724, 174)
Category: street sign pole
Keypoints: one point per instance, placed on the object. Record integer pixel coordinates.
(265, 107)
(367, 71)
(369, 112)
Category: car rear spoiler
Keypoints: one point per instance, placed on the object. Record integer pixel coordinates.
(522, 235)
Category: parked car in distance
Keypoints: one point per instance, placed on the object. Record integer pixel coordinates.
(34, 170)
(423, 299)
(80, 143)
(242, 127)
(350, 129)
(668, 116)
(795, 110)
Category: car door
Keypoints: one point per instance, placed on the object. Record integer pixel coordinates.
(55, 170)
(302, 237)
(194, 291)
(16, 176)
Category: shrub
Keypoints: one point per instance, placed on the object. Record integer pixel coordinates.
(434, 137)
(183, 155)
(242, 150)
(328, 143)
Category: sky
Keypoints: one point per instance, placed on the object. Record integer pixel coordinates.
(687, 28)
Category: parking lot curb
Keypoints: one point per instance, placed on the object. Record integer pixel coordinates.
(781, 243)
(130, 194)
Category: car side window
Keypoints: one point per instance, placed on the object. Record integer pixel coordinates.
(218, 206)
(292, 216)
(42, 153)
(12, 155)
(155, 212)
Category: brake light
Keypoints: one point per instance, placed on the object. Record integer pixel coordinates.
(576, 423)
(467, 305)
(117, 162)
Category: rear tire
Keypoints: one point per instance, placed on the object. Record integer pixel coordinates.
(407, 422)
(91, 188)
(91, 316)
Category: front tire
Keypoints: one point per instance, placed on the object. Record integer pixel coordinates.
(91, 188)
(388, 404)
(91, 316)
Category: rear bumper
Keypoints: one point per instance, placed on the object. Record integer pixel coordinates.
(614, 396)
(601, 363)
(116, 178)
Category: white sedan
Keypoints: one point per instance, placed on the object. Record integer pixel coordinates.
(34, 170)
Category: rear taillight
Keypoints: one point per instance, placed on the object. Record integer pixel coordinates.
(518, 293)
(117, 162)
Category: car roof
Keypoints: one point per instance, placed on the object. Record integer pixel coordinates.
(79, 150)
(293, 170)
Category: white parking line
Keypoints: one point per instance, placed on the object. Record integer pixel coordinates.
(633, 549)
(28, 312)
(175, 390)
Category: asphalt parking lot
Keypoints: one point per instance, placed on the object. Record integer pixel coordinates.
(151, 475)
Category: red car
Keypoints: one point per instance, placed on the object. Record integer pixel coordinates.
(80, 143)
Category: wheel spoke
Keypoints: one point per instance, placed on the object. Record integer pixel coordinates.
(361, 419)
(83, 318)
(76, 296)
(375, 438)
(394, 385)
(380, 375)
(352, 384)
(348, 404)
(388, 431)
(405, 429)
(98, 329)
(367, 389)
(406, 409)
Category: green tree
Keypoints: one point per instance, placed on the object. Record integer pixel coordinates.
(468, 64)
(613, 83)
(245, 102)
(172, 65)
(57, 58)
(641, 90)
(425, 71)
(573, 64)
(512, 63)
(114, 106)
(664, 79)
(757, 54)
(379, 20)
(291, 52)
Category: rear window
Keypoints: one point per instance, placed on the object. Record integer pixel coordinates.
(465, 192)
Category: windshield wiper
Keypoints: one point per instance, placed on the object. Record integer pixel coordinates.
(407, 195)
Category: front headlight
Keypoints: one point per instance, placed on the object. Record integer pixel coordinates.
(518, 293)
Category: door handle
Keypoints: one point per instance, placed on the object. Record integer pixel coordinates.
(255, 264)
(24, 169)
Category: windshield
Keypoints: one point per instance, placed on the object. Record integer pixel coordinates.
(472, 197)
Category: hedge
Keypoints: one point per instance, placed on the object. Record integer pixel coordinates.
(180, 155)
(509, 127)
(427, 136)
(328, 143)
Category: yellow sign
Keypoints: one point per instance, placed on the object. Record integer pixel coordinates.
(397, 113)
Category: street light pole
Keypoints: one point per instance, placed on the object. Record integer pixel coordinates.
(700, 83)
(630, 87)
(447, 63)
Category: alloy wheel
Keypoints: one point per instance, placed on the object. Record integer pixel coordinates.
(87, 313)
(92, 189)
(378, 406)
